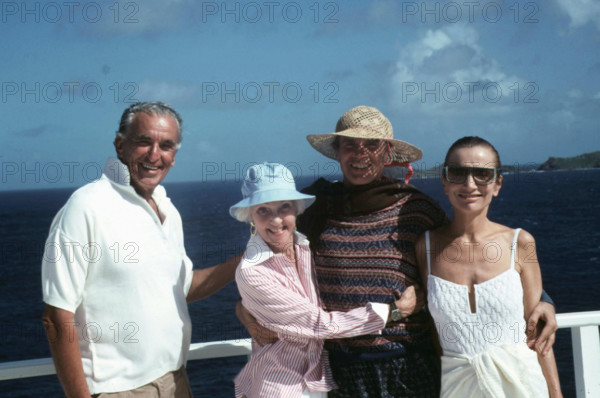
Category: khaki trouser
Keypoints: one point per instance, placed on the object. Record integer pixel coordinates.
(172, 385)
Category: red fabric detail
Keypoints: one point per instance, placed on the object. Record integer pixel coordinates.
(410, 172)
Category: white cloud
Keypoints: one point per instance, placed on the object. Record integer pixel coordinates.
(436, 40)
(581, 11)
(447, 66)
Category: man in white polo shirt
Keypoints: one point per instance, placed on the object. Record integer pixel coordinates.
(115, 276)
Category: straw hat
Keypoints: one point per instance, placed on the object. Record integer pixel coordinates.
(368, 123)
(268, 182)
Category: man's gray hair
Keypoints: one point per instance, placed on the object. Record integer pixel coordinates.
(150, 108)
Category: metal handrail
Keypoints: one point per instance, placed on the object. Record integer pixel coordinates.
(585, 339)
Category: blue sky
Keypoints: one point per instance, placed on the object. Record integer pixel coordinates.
(252, 79)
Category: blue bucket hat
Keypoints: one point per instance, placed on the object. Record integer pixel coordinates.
(268, 182)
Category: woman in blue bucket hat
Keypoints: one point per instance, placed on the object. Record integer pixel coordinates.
(276, 281)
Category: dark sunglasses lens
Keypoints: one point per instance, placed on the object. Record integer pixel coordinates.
(459, 174)
(456, 175)
(484, 176)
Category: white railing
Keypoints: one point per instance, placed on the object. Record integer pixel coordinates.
(584, 336)
(45, 366)
(585, 340)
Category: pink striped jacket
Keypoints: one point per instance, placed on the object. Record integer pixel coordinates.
(286, 301)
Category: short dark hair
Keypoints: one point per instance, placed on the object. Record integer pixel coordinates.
(150, 108)
(469, 142)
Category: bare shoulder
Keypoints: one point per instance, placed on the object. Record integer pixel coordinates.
(526, 256)
(525, 239)
(504, 232)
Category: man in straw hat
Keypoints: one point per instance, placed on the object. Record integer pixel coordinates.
(362, 233)
(365, 125)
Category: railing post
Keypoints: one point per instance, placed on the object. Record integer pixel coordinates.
(586, 360)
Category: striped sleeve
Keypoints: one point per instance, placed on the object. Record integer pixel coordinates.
(279, 305)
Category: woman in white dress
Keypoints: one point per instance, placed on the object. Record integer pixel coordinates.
(483, 280)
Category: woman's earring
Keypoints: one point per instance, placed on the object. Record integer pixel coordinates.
(252, 228)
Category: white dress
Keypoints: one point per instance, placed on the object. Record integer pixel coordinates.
(485, 353)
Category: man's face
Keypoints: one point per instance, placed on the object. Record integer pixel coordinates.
(361, 160)
(148, 150)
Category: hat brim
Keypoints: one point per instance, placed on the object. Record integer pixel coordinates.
(400, 151)
(272, 195)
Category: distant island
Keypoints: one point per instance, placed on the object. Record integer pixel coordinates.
(586, 161)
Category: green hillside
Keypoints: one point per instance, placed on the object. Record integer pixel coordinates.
(585, 161)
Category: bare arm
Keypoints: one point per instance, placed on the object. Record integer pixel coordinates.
(531, 279)
(208, 281)
(548, 364)
(64, 346)
(541, 321)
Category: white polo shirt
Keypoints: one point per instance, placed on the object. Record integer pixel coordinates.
(125, 276)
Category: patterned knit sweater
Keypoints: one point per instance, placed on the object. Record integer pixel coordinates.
(363, 244)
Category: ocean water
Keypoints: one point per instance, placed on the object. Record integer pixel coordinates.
(561, 209)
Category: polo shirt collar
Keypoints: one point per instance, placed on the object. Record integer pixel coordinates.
(118, 172)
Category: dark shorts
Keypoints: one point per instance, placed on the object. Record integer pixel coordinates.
(409, 375)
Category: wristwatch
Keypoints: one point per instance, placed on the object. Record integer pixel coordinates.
(395, 314)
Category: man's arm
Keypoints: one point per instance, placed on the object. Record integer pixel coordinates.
(208, 281)
(64, 346)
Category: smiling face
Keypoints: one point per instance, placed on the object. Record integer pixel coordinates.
(275, 222)
(148, 149)
(469, 195)
(361, 160)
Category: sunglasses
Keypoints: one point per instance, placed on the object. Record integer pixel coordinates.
(459, 174)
